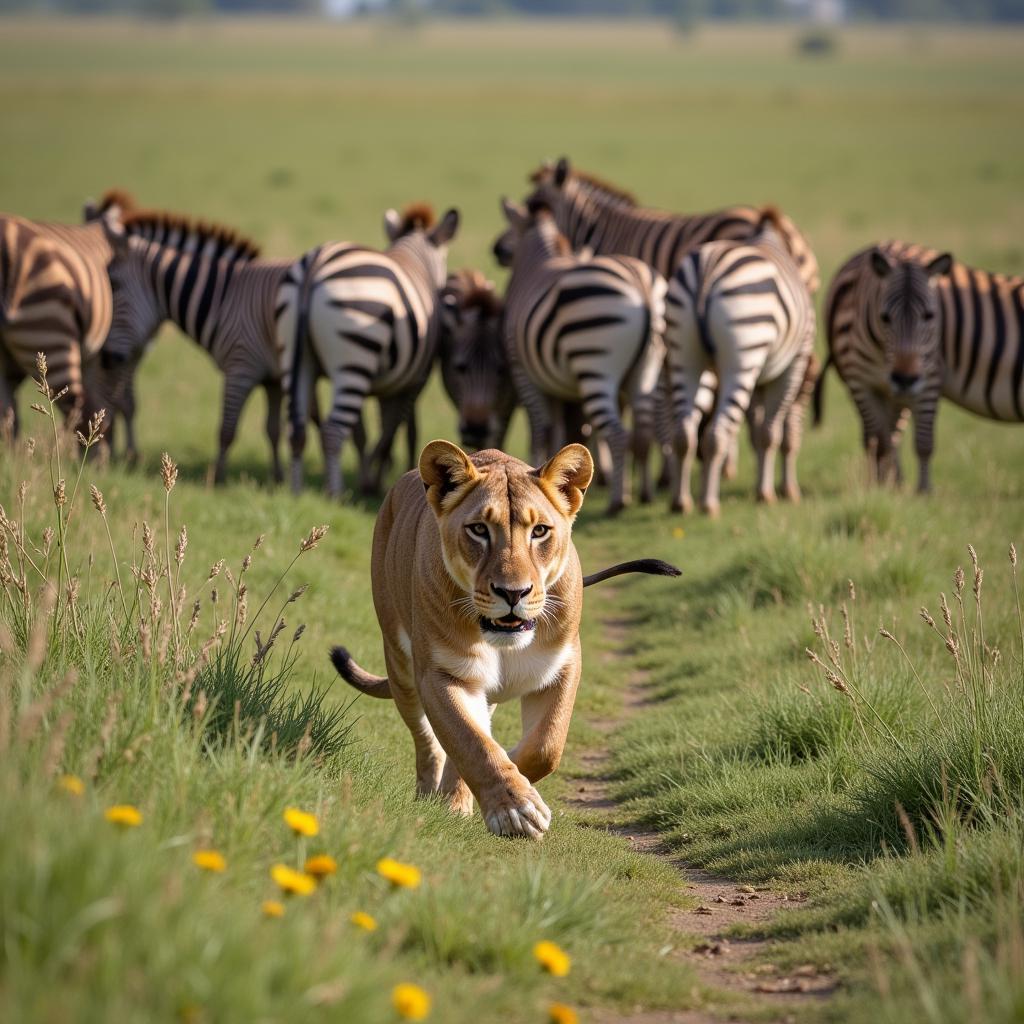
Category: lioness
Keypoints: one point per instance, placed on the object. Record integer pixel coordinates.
(478, 592)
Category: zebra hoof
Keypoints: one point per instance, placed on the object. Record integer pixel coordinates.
(711, 509)
(767, 498)
(792, 494)
(614, 508)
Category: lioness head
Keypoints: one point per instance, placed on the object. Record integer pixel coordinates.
(505, 530)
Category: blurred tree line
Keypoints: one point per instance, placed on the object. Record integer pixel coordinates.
(682, 12)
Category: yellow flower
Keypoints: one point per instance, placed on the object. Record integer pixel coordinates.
(552, 958)
(294, 883)
(559, 1013)
(321, 865)
(363, 920)
(405, 876)
(301, 822)
(71, 784)
(411, 1002)
(272, 908)
(209, 860)
(124, 815)
(678, 532)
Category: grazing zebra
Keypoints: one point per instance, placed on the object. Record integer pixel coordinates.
(743, 310)
(582, 330)
(208, 281)
(594, 214)
(51, 301)
(368, 320)
(907, 324)
(474, 364)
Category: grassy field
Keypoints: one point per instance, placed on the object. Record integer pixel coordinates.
(751, 763)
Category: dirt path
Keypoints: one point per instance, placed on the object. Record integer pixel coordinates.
(744, 986)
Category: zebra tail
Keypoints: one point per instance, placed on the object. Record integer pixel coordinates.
(650, 566)
(819, 393)
(363, 681)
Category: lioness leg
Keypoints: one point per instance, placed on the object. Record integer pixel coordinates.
(545, 716)
(461, 720)
(429, 755)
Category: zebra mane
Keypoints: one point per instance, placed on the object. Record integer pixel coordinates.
(772, 216)
(592, 181)
(417, 217)
(138, 221)
(472, 290)
(116, 197)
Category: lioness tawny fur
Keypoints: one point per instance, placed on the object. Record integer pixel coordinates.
(478, 592)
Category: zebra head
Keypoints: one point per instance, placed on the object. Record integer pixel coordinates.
(415, 231)
(533, 227)
(474, 366)
(903, 313)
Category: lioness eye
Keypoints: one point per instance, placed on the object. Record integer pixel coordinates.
(540, 531)
(886, 318)
(929, 315)
(478, 529)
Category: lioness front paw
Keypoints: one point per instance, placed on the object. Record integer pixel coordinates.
(518, 813)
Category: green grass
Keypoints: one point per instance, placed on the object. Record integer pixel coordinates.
(297, 134)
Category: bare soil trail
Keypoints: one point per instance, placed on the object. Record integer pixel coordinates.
(738, 983)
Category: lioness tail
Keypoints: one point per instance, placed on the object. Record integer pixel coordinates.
(651, 566)
(365, 682)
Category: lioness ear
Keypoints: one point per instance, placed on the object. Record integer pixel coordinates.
(444, 468)
(569, 473)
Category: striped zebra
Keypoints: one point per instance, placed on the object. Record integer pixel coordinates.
(744, 310)
(591, 213)
(474, 364)
(582, 330)
(208, 281)
(906, 325)
(51, 301)
(369, 321)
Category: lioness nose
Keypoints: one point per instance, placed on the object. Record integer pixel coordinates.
(512, 596)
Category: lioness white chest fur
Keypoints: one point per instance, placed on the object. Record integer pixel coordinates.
(478, 592)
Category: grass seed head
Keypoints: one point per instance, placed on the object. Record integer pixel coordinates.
(168, 472)
(315, 536)
(97, 500)
(179, 548)
(927, 618)
(59, 494)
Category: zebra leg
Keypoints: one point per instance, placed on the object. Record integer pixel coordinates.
(302, 405)
(792, 437)
(924, 442)
(538, 411)
(237, 390)
(778, 399)
(8, 407)
(394, 411)
(273, 392)
(876, 434)
(412, 437)
(359, 442)
(734, 394)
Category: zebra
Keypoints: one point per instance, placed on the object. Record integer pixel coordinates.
(592, 213)
(581, 330)
(368, 320)
(474, 364)
(51, 302)
(209, 281)
(906, 325)
(743, 309)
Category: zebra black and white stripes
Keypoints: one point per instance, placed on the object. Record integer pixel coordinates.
(585, 330)
(593, 214)
(743, 310)
(368, 320)
(51, 301)
(907, 325)
(209, 282)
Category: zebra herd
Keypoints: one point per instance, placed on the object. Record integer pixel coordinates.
(683, 326)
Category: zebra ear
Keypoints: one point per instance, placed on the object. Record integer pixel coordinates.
(562, 171)
(113, 229)
(392, 225)
(881, 264)
(941, 266)
(445, 231)
(90, 211)
(515, 214)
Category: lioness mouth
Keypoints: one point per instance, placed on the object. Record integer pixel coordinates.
(507, 624)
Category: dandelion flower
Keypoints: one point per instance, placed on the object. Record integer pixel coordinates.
(320, 866)
(71, 784)
(363, 920)
(404, 876)
(294, 883)
(301, 823)
(209, 860)
(679, 533)
(552, 958)
(272, 908)
(559, 1013)
(124, 815)
(411, 1002)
